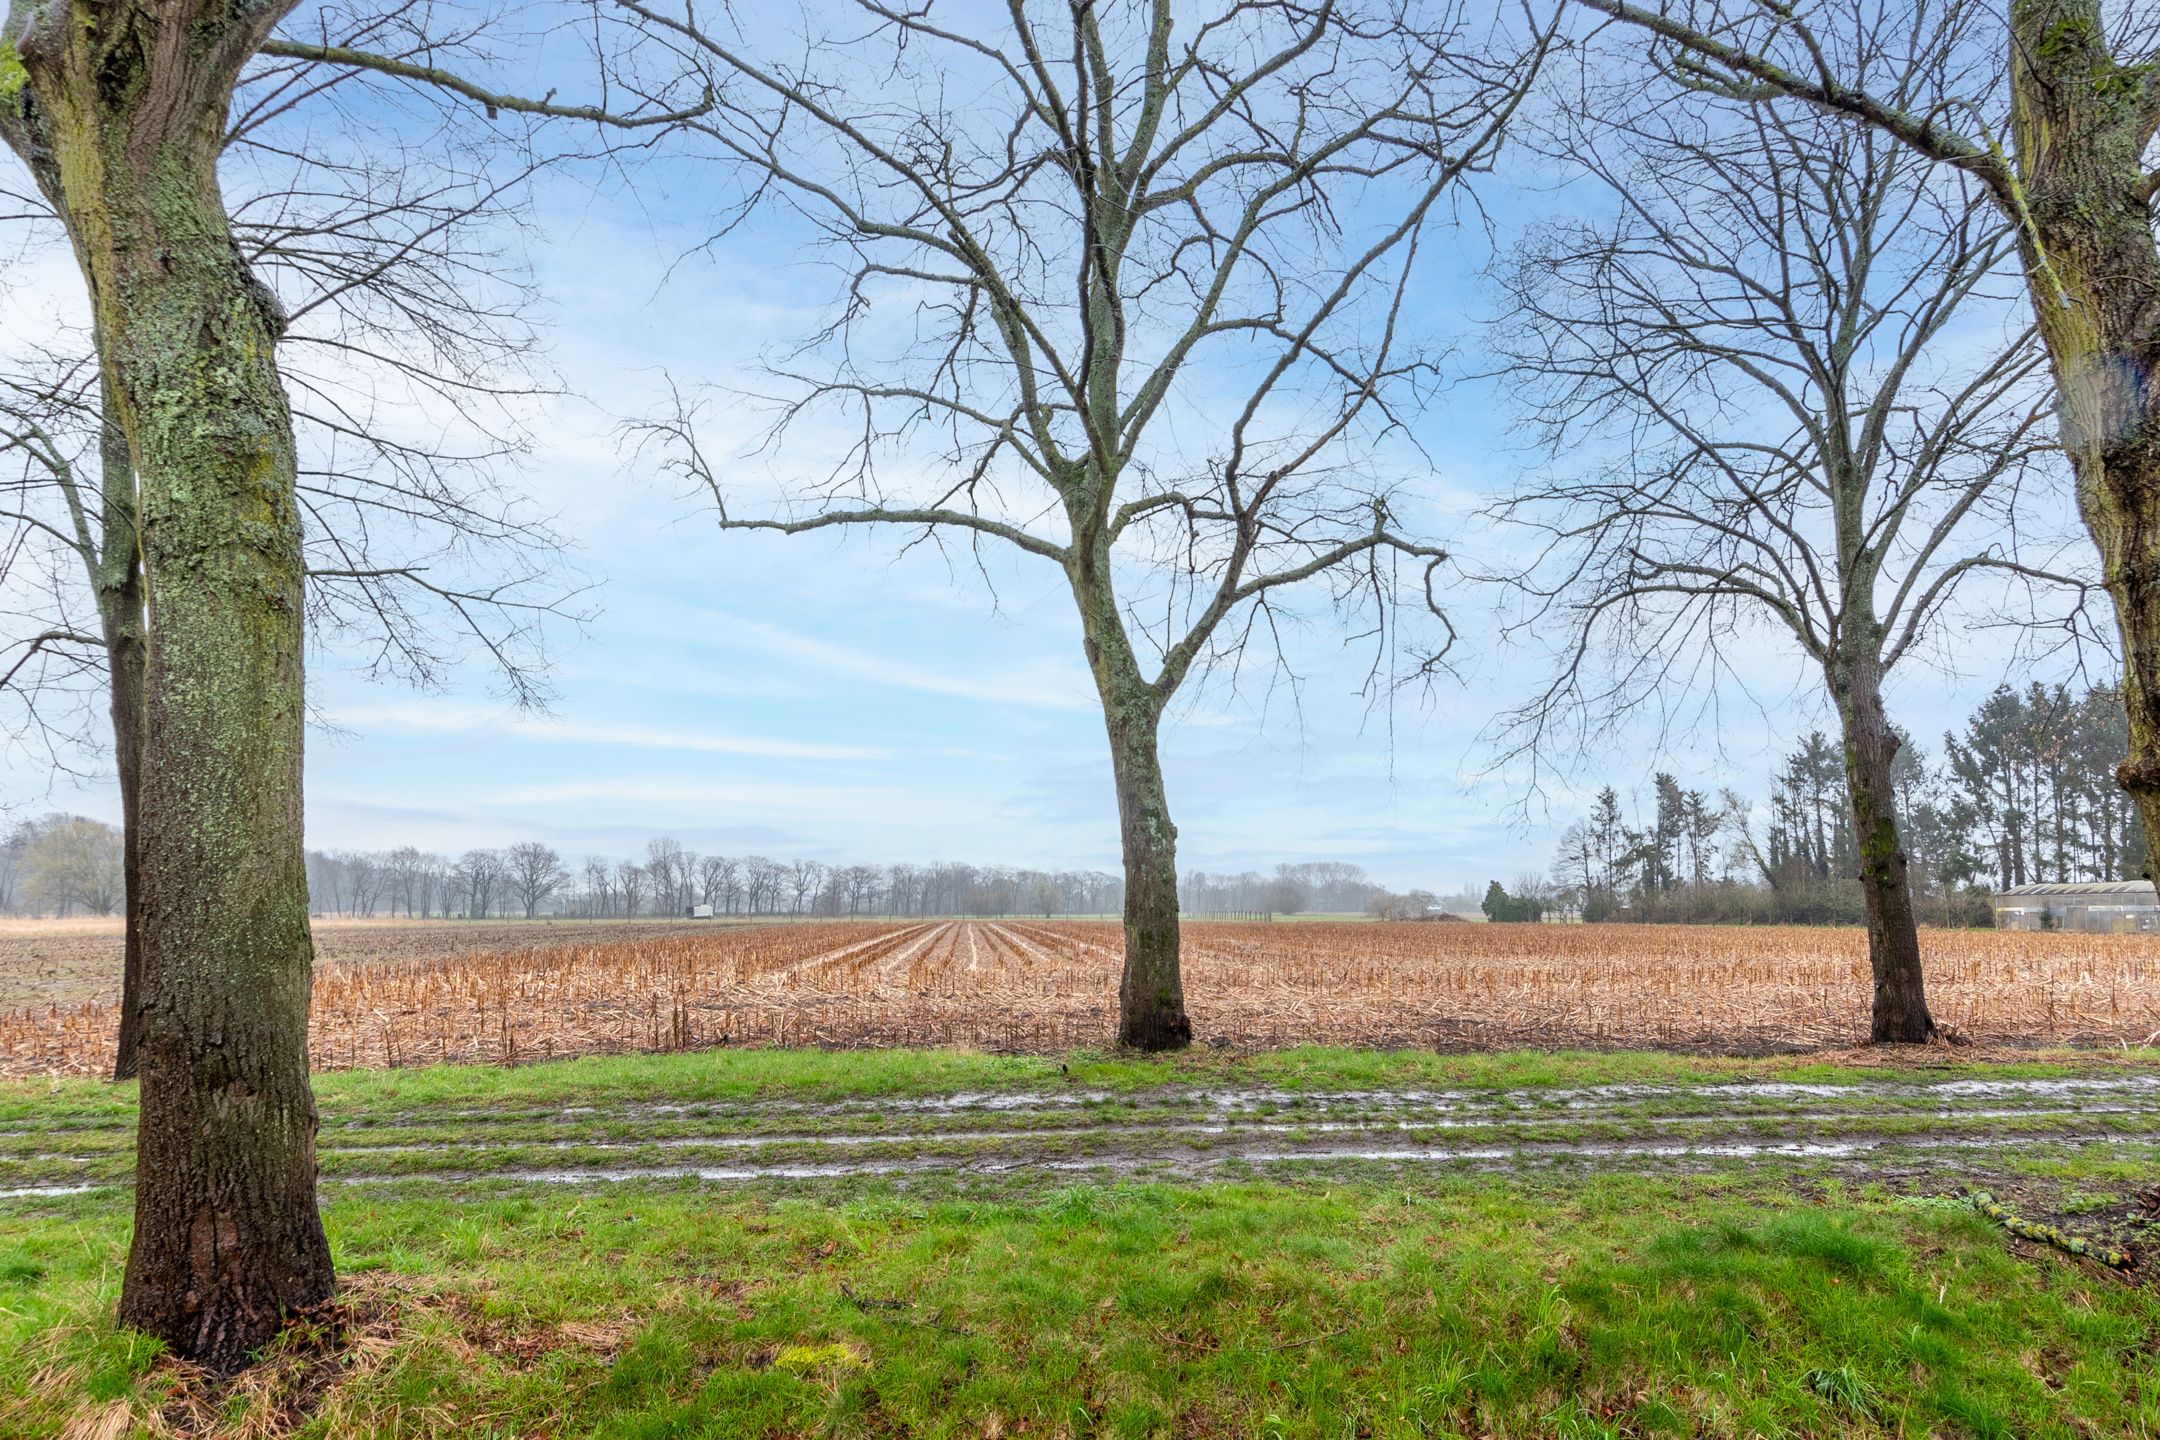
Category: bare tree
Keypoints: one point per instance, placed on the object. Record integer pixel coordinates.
(534, 872)
(902, 889)
(404, 865)
(802, 878)
(117, 109)
(476, 876)
(2052, 107)
(599, 887)
(668, 866)
(365, 880)
(433, 883)
(862, 885)
(632, 882)
(401, 307)
(1816, 426)
(73, 863)
(1155, 268)
(716, 882)
(120, 111)
(762, 878)
(12, 848)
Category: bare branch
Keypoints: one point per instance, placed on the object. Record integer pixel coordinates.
(493, 102)
(1738, 66)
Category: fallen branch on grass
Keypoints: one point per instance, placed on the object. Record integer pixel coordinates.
(2069, 1244)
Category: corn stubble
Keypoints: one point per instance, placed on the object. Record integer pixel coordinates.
(1048, 986)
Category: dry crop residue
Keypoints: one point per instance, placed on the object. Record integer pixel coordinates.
(1048, 986)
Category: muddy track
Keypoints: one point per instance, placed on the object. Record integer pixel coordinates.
(1872, 1129)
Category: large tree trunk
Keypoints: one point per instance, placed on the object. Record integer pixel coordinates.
(1151, 995)
(2081, 121)
(2119, 495)
(120, 612)
(1900, 1008)
(126, 104)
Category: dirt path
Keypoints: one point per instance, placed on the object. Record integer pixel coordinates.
(1905, 1132)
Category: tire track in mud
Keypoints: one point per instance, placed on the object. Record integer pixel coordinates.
(1865, 1128)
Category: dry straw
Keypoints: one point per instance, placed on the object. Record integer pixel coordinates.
(1048, 986)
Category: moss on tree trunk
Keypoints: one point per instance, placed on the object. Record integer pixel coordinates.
(124, 105)
(2080, 120)
(1900, 1009)
(1151, 993)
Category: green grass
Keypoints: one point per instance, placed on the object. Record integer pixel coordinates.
(1616, 1307)
(1736, 1299)
(825, 1076)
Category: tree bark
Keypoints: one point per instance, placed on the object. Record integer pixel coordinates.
(120, 614)
(126, 102)
(1151, 993)
(2080, 121)
(1900, 1011)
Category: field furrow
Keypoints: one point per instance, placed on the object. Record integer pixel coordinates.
(1042, 986)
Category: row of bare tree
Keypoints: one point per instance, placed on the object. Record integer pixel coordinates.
(1164, 332)
(1325, 886)
(531, 879)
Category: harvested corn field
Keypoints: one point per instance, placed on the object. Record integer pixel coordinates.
(1049, 986)
(48, 962)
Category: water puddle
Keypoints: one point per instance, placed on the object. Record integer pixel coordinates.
(1221, 1124)
(1196, 1162)
(1241, 1101)
(1191, 1130)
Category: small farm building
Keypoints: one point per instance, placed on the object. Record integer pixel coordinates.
(698, 912)
(2101, 905)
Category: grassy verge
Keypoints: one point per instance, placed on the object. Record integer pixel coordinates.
(816, 1076)
(1628, 1307)
(1766, 1297)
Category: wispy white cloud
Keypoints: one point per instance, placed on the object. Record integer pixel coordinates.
(702, 794)
(446, 718)
(1039, 688)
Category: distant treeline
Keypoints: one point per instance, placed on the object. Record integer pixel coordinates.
(1324, 887)
(67, 864)
(2025, 793)
(532, 879)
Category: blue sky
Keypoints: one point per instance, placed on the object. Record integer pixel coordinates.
(834, 698)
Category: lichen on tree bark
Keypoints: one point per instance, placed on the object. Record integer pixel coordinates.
(121, 113)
